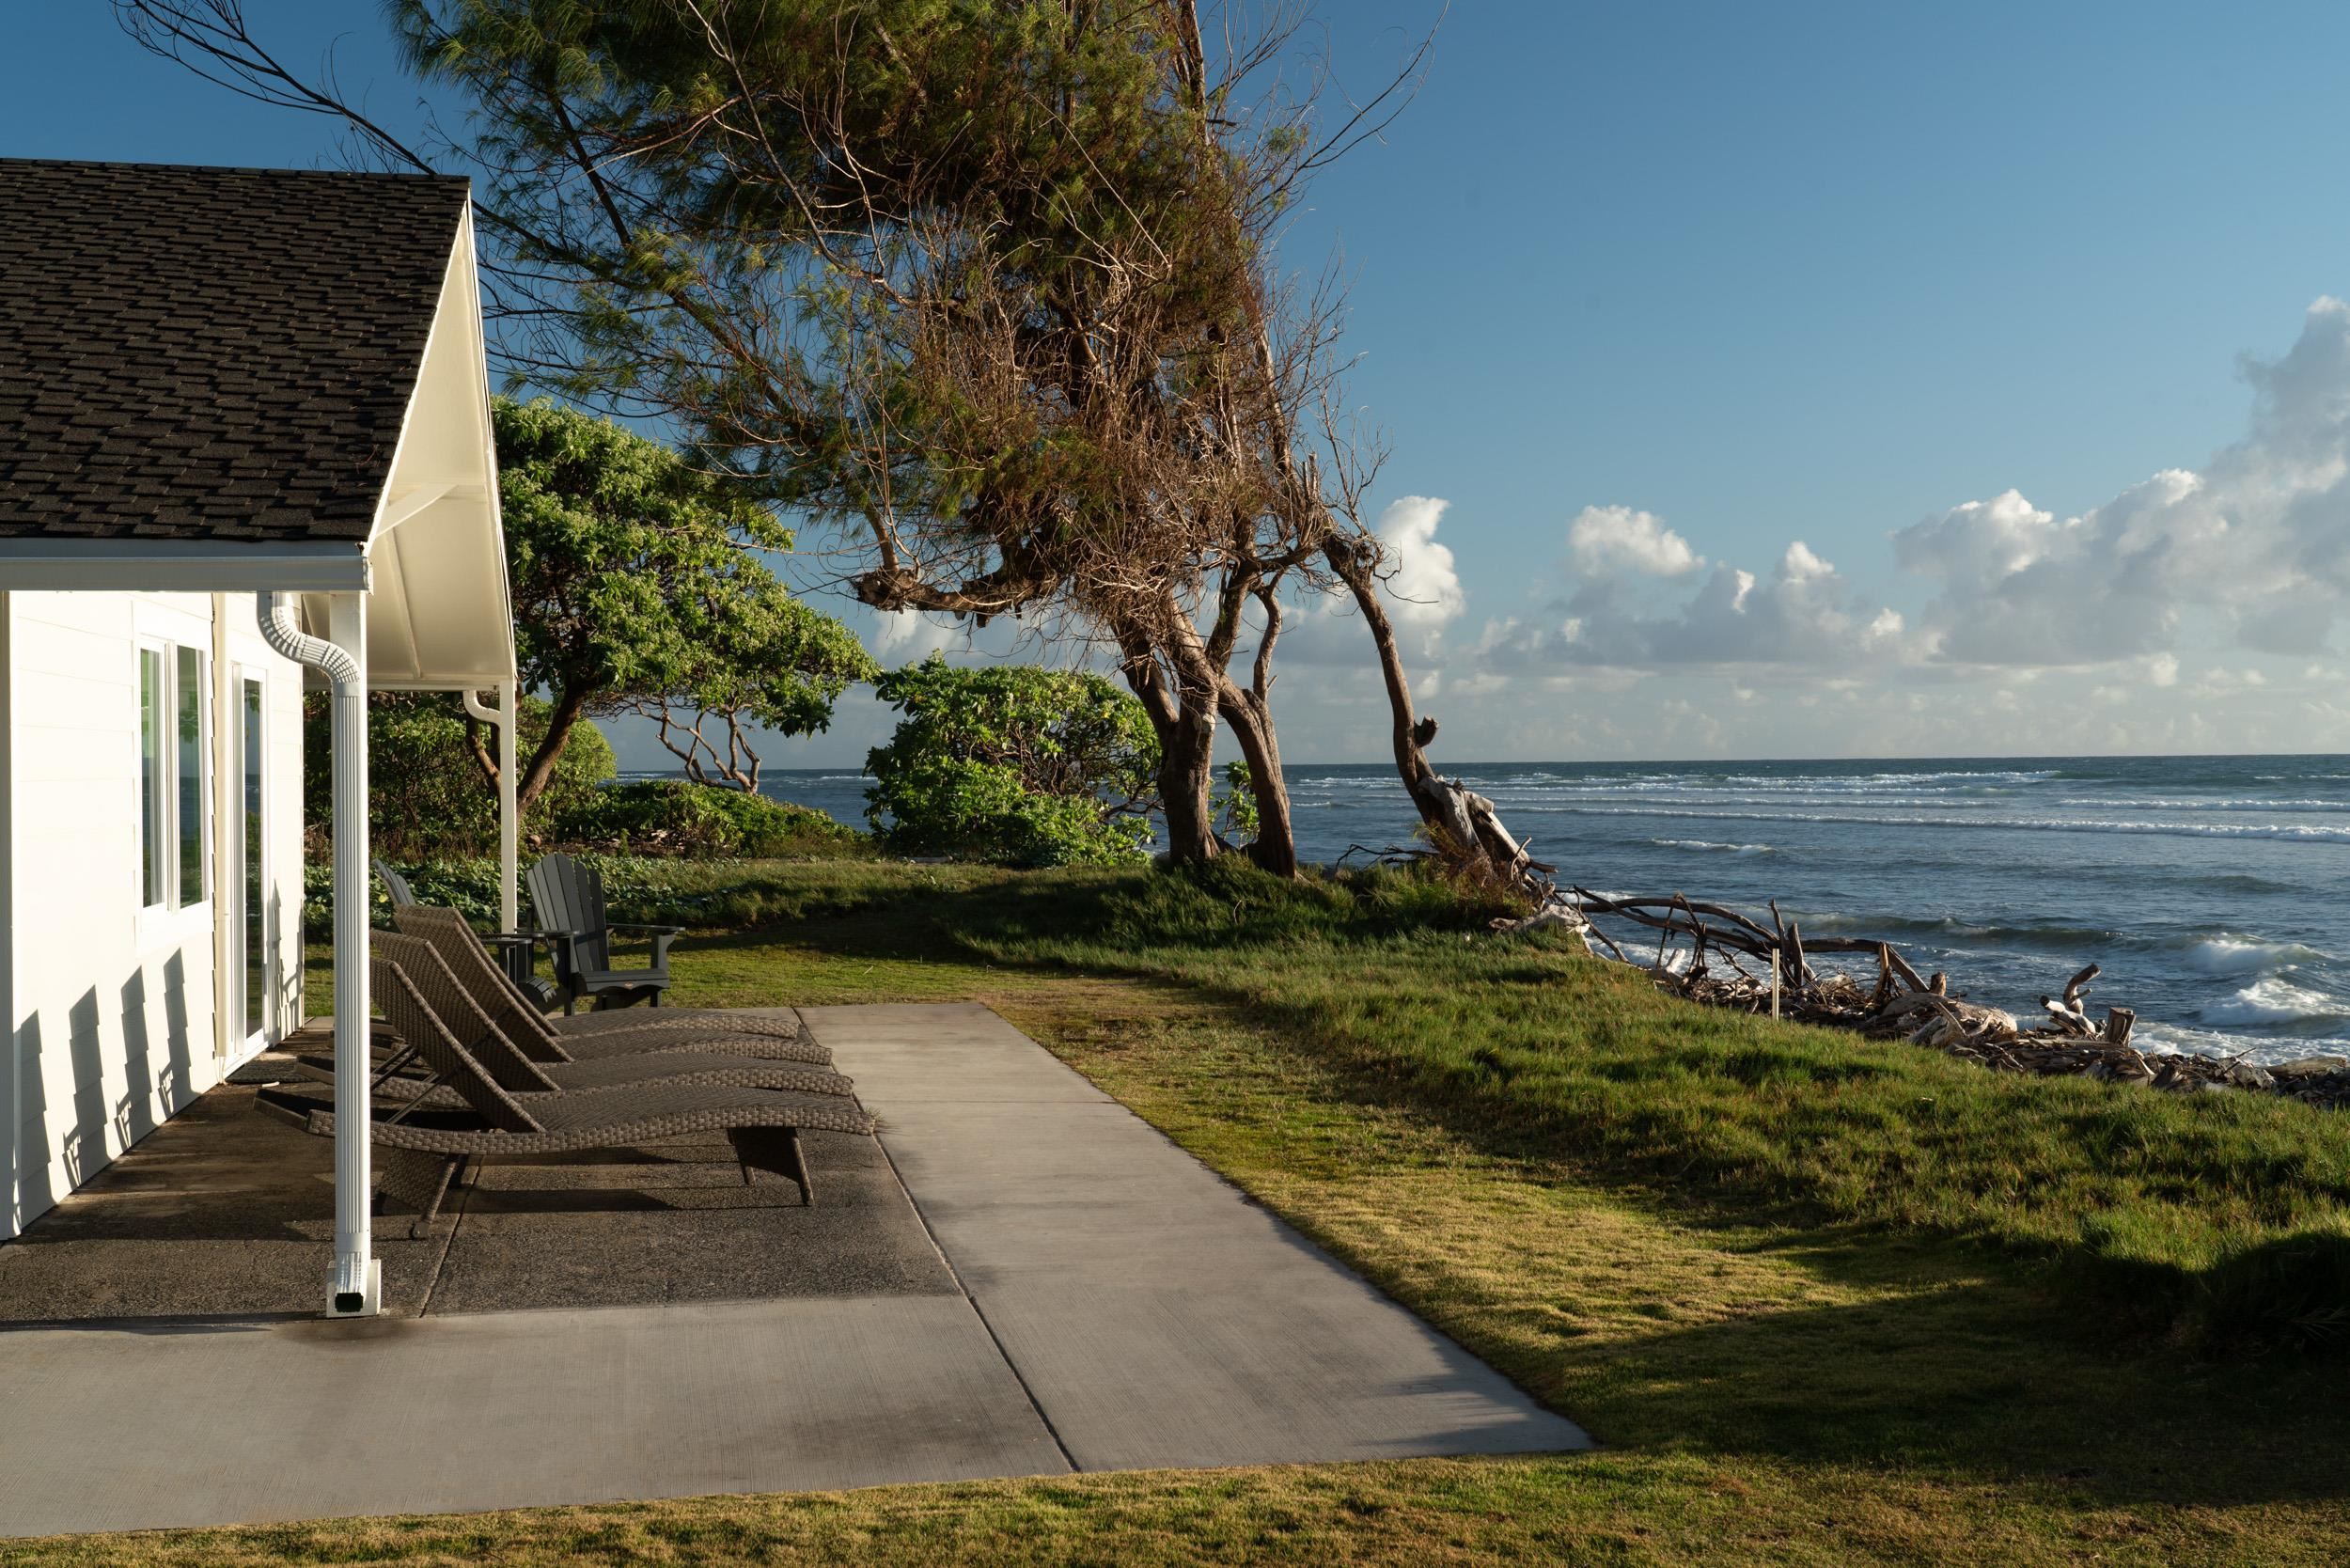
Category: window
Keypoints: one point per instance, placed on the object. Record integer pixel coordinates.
(151, 762)
(191, 772)
(174, 775)
(256, 926)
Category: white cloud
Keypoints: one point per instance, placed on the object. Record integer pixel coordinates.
(1606, 540)
(2259, 539)
(1425, 587)
(1803, 615)
(908, 636)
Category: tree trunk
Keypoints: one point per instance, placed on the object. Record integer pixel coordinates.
(539, 773)
(1440, 807)
(1186, 771)
(1186, 733)
(1275, 849)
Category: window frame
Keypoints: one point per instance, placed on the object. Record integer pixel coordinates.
(162, 855)
(251, 753)
(154, 785)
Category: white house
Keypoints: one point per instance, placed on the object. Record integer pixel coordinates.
(245, 449)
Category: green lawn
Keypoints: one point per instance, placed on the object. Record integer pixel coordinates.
(1824, 1301)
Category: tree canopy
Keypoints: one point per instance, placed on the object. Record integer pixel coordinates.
(1029, 766)
(638, 587)
(983, 287)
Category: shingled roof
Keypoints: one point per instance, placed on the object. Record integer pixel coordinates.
(209, 353)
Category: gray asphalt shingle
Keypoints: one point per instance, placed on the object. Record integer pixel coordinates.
(207, 352)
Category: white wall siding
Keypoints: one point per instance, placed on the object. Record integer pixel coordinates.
(112, 1006)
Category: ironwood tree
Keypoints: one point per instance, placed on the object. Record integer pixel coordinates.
(983, 289)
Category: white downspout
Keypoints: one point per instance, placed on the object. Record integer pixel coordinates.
(355, 1287)
(510, 871)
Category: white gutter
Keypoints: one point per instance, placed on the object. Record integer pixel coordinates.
(355, 1288)
(182, 566)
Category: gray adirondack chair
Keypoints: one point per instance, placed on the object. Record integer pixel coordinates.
(395, 884)
(568, 899)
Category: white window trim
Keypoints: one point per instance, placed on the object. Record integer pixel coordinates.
(168, 922)
(239, 673)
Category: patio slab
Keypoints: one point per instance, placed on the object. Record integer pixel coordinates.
(1019, 1278)
(143, 1425)
(1159, 1316)
(219, 1212)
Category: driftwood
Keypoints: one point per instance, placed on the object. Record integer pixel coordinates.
(1699, 944)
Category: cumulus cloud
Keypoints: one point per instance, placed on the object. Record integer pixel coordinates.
(1425, 587)
(1802, 613)
(1424, 594)
(1617, 539)
(908, 636)
(2259, 538)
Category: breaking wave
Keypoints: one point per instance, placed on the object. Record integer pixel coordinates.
(2273, 1001)
(1710, 844)
(2247, 955)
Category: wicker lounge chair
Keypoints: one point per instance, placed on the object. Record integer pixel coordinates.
(594, 1035)
(420, 1151)
(512, 1068)
(568, 899)
(517, 952)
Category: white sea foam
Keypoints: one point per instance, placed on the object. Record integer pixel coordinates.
(2293, 832)
(2198, 803)
(2247, 955)
(2274, 1001)
(1710, 844)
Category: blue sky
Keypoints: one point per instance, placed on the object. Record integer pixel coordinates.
(1645, 295)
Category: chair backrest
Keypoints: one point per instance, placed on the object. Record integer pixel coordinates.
(417, 1025)
(568, 896)
(484, 979)
(394, 885)
(465, 1023)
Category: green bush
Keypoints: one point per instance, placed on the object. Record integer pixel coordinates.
(673, 817)
(427, 793)
(1014, 764)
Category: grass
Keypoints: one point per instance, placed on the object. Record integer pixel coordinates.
(1825, 1302)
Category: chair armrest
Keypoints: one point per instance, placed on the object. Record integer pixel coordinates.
(629, 925)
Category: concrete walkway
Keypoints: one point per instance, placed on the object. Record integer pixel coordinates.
(1157, 1316)
(1104, 1301)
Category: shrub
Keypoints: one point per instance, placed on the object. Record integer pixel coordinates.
(673, 817)
(1017, 764)
(426, 792)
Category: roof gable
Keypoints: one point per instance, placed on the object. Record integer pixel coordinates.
(205, 354)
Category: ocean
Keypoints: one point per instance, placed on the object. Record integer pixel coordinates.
(2214, 890)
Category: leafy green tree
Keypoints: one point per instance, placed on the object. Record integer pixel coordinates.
(426, 797)
(1028, 766)
(638, 587)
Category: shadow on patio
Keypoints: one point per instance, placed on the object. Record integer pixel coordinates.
(225, 1214)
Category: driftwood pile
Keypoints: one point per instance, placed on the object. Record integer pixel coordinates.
(1716, 955)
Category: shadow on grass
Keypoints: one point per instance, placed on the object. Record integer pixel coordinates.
(1965, 1380)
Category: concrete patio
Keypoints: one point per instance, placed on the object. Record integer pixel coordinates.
(1018, 1277)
